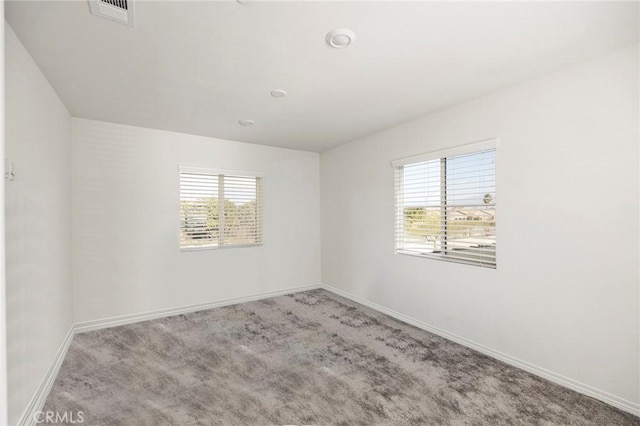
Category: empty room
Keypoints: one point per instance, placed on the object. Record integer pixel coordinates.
(250, 212)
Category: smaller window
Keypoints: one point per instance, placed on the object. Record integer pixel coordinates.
(446, 205)
(219, 209)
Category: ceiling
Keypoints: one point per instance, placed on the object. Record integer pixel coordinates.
(200, 67)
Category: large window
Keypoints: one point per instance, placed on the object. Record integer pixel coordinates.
(446, 205)
(219, 209)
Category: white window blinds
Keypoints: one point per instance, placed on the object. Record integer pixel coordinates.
(446, 205)
(219, 209)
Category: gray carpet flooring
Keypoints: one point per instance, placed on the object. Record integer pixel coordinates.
(306, 358)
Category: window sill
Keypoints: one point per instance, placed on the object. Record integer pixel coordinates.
(204, 248)
(445, 258)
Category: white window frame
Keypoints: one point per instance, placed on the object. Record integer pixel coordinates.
(476, 147)
(219, 173)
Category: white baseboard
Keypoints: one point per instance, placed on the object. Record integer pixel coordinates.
(40, 396)
(82, 327)
(601, 395)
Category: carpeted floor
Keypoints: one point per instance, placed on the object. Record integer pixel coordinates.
(306, 358)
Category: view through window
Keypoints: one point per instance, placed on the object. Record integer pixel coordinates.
(219, 209)
(446, 208)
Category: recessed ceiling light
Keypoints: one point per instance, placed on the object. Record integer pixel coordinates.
(246, 122)
(278, 93)
(340, 38)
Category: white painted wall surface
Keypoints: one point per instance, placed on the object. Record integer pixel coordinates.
(3, 292)
(565, 294)
(126, 217)
(38, 224)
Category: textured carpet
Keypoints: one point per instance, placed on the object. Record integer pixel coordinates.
(306, 358)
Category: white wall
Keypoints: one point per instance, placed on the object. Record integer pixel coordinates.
(3, 293)
(126, 216)
(38, 224)
(565, 294)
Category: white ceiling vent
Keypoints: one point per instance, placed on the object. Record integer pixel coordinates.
(120, 11)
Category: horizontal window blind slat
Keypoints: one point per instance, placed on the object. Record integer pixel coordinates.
(446, 208)
(208, 221)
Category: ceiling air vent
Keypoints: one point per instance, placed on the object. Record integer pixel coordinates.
(120, 11)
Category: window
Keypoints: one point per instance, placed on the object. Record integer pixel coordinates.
(219, 209)
(446, 205)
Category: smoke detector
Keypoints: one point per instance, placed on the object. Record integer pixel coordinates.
(120, 11)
